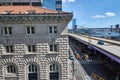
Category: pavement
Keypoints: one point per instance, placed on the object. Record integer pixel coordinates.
(83, 69)
(70, 70)
(79, 72)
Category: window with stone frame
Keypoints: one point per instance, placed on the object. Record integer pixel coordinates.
(9, 49)
(31, 48)
(53, 47)
(32, 72)
(11, 69)
(54, 68)
(54, 72)
(32, 68)
(30, 30)
(53, 29)
(7, 30)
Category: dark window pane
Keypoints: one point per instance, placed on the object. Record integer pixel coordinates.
(28, 30)
(32, 30)
(11, 69)
(50, 67)
(55, 29)
(54, 76)
(10, 30)
(14, 70)
(55, 47)
(51, 47)
(29, 48)
(32, 76)
(5, 30)
(33, 48)
(11, 49)
(8, 70)
(29, 68)
(53, 67)
(35, 69)
(50, 29)
(7, 48)
(36, 4)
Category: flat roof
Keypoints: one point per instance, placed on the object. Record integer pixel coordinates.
(25, 10)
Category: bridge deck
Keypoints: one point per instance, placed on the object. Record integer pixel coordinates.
(111, 48)
(106, 40)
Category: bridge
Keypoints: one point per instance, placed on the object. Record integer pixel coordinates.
(110, 48)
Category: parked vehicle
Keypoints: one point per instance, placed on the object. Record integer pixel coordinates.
(71, 57)
(77, 56)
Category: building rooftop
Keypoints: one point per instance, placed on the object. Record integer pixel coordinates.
(25, 10)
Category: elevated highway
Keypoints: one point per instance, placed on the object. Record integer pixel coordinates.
(110, 48)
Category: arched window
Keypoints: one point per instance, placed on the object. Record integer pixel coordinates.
(11, 69)
(32, 69)
(11, 72)
(32, 72)
(54, 72)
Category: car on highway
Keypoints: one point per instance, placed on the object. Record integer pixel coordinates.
(100, 42)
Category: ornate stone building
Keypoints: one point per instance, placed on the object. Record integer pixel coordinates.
(33, 43)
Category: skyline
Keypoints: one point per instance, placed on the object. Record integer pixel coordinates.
(93, 13)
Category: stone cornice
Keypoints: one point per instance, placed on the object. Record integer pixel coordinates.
(35, 18)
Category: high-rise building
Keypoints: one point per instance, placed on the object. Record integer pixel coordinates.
(74, 26)
(53, 4)
(33, 43)
(117, 27)
(50, 4)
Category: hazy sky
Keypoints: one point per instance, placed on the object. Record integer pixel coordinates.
(94, 13)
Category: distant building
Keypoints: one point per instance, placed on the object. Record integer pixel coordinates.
(50, 4)
(33, 43)
(100, 29)
(117, 27)
(53, 4)
(74, 26)
(21, 2)
(111, 33)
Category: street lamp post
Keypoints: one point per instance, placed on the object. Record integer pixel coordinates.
(89, 37)
(73, 67)
(89, 42)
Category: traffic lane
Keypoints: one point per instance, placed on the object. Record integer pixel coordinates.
(75, 49)
(99, 69)
(78, 50)
(79, 71)
(94, 68)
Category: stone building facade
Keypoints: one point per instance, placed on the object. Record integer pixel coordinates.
(33, 43)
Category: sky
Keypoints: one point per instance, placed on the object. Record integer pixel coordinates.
(93, 13)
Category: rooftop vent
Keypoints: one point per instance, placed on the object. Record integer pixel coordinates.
(7, 12)
(30, 12)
